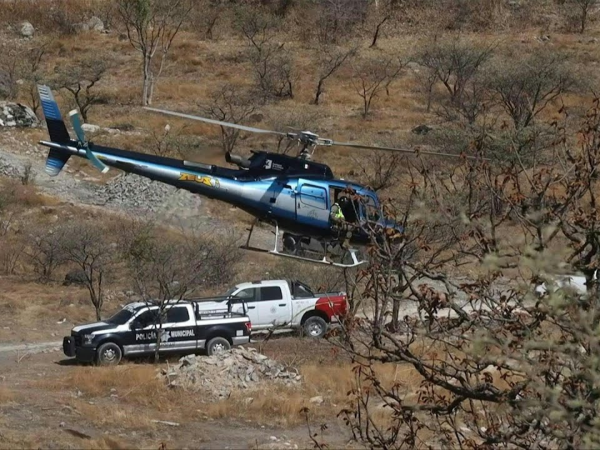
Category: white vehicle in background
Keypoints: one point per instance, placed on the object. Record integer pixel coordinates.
(286, 305)
(576, 283)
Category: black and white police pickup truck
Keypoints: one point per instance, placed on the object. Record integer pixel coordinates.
(186, 328)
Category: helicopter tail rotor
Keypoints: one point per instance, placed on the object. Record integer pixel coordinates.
(83, 142)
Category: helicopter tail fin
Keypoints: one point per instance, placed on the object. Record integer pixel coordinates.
(56, 129)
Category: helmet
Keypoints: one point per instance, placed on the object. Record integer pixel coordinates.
(343, 201)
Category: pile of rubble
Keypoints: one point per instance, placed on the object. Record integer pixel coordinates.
(220, 375)
(134, 191)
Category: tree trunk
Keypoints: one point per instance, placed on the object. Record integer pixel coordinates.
(395, 314)
(147, 81)
(377, 30)
(159, 331)
(319, 91)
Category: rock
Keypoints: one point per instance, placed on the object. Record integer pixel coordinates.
(5, 84)
(89, 128)
(26, 29)
(188, 360)
(421, 130)
(164, 422)
(95, 24)
(318, 400)
(81, 27)
(16, 115)
(76, 276)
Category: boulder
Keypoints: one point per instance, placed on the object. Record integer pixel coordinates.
(17, 115)
(95, 24)
(76, 276)
(318, 400)
(26, 29)
(89, 128)
(422, 130)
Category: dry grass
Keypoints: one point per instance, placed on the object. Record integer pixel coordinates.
(276, 404)
(7, 395)
(136, 385)
(114, 416)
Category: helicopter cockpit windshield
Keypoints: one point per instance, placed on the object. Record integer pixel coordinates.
(372, 209)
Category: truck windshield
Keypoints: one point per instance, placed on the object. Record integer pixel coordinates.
(121, 317)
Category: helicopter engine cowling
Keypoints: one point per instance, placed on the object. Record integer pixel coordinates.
(242, 163)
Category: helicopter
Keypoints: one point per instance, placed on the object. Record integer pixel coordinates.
(294, 194)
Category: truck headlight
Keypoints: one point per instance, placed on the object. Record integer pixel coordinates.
(87, 339)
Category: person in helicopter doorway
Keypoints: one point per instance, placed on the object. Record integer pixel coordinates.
(338, 220)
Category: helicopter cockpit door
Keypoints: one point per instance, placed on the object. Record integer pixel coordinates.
(311, 204)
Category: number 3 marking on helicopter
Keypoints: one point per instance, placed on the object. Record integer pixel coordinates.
(208, 181)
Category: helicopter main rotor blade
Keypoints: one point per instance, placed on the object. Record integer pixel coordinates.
(218, 122)
(403, 150)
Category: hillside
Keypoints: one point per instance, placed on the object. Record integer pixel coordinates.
(446, 345)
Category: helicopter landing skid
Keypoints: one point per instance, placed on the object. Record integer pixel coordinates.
(355, 261)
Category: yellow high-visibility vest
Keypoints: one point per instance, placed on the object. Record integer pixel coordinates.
(337, 213)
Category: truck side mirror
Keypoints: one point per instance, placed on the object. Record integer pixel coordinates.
(135, 325)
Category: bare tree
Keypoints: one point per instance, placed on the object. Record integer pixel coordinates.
(339, 18)
(166, 269)
(382, 13)
(46, 251)
(456, 65)
(230, 104)
(273, 66)
(152, 26)
(371, 76)
(379, 170)
(485, 362)
(9, 74)
(525, 90)
(80, 81)
(258, 27)
(584, 7)
(12, 250)
(170, 142)
(86, 245)
(33, 74)
(330, 61)
(274, 72)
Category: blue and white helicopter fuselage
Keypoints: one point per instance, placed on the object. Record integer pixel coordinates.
(298, 204)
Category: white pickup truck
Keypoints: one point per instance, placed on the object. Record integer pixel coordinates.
(286, 304)
(575, 283)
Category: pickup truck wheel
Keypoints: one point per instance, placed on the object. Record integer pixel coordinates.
(217, 345)
(315, 327)
(108, 354)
